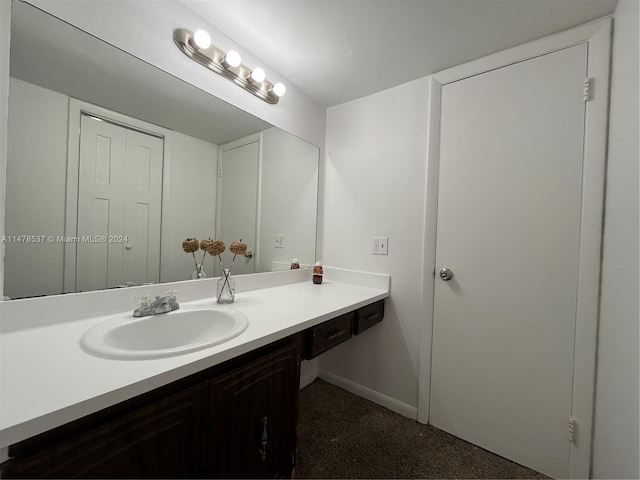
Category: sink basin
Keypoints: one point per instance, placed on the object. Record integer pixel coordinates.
(164, 335)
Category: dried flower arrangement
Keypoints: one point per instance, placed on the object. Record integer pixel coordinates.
(215, 248)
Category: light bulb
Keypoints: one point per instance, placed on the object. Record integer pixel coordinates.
(258, 75)
(232, 59)
(279, 89)
(202, 39)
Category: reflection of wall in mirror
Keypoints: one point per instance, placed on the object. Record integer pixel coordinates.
(288, 200)
(192, 205)
(288, 186)
(35, 202)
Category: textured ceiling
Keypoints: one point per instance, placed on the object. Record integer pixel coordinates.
(339, 50)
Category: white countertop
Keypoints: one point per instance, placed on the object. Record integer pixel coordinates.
(47, 379)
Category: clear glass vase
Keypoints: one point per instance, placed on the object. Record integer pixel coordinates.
(226, 287)
(199, 272)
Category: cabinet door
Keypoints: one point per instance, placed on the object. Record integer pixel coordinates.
(166, 439)
(254, 416)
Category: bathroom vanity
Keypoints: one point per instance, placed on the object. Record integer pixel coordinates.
(233, 415)
(237, 419)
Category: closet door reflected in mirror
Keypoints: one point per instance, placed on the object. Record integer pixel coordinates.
(119, 206)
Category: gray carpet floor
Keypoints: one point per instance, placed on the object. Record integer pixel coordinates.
(341, 435)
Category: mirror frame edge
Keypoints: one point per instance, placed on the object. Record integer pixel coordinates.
(5, 42)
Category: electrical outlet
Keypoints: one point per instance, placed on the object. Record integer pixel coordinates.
(279, 240)
(380, 246)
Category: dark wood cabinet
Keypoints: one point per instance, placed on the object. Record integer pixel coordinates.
(367, 316)
(327, 335)
(237, 419)
(254, 417)
(234, 420)
(165, 439)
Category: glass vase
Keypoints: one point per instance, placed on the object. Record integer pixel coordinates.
(199, 272)
(226, 287)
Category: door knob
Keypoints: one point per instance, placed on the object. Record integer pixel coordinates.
(446, 274)
(248, 254)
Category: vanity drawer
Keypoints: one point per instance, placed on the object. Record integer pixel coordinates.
(328, 334)
(368, 316)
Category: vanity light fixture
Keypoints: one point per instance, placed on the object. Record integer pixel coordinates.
(279, 89)
(197, 46)
(201, 39)
(257, 75)
(232, 59)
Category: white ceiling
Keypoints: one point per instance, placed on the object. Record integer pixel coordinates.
(339, 50)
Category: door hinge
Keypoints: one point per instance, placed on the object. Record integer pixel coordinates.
(220, 172)
(587, 90)
(572, 429)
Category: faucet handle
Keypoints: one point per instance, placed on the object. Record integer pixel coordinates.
(173, 294)
(142, 301)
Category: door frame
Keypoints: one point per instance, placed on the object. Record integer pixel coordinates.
(232, 145)
(76, 109)
(597, 35)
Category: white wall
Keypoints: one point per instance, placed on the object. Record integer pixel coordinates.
(616, 443)
(288, 193)
(192, 204)
(375, 186)
(35, 200)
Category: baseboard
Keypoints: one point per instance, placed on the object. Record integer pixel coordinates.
(392, 404)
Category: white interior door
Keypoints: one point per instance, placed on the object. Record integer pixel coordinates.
(238, 202)
(119, 206)
(142, 208)
(508, 226)
(100, 204)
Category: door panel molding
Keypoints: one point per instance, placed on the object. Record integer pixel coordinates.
(76, 109)
(597, 36)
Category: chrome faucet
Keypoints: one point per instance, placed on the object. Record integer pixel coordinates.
(164, 304)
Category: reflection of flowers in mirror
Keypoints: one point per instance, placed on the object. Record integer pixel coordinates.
(192, 245)
(214, 247)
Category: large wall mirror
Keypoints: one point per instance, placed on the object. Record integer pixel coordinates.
(112, 163)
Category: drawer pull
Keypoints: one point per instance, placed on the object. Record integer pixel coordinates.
(335, 334)
(263, 449)
(373, 317)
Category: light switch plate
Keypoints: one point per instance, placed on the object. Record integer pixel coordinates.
(380, 246)
(279, 240)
